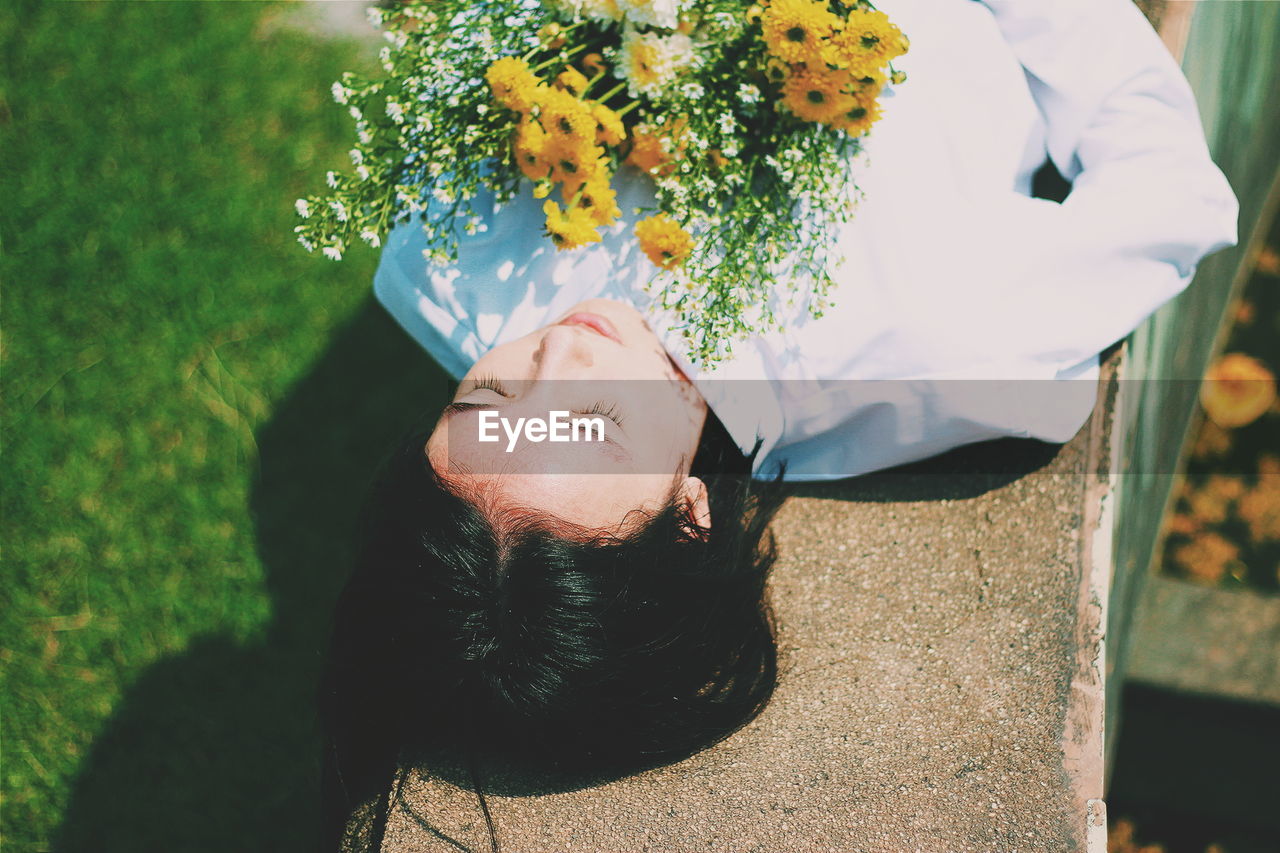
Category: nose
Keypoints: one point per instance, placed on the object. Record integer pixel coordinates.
(562, 352)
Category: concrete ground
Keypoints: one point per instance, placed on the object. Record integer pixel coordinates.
(929, 625)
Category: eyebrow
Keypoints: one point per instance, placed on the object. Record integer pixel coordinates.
(617, 450)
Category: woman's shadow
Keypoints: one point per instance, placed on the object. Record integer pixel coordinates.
(218, 748)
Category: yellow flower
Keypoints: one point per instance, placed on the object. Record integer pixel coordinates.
(866, 83)
(609, 127)
(512, 83)
(817, 95)
(596, 198)
(665, 242)
(571, 80)
(867, 41)
(858, 119)
(569, 229)
(776, 70)
(593, 62)
(530, 144)
(796, 30)
(552, 36)
(654, 150)
(565, 117)
(1237, 390)
(573, 162)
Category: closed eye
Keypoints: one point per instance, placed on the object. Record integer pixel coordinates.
(491, 383)
(608, 410)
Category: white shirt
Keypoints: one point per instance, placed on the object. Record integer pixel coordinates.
(952, 271)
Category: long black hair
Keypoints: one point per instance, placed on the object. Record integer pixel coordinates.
(600, 653)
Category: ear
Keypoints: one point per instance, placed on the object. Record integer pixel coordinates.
(692, 499)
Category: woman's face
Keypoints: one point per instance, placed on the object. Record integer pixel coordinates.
(600, 363)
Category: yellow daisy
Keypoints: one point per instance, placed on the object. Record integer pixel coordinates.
(817, 95)
(859, 117)
(530, 144)
(512, 83)
(565, 117)
(573, 162)
(867, 41)
(609, 127)
(664, 241)
(572, 81)
(597, 198)
(796, 30)
(569, 229)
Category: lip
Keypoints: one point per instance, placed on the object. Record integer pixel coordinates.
(600, 325)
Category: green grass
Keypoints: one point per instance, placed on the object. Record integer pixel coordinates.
(191, 408)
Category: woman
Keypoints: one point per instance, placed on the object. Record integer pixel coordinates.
(603, 602)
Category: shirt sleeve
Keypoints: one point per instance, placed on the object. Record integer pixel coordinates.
(1147, 202)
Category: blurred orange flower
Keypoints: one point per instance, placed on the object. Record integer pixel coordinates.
(1237, 390)
(1206, 557)
(1211, 503)
(1212, 440)
(1120, 839)
(1269, 261)
(1260, 506)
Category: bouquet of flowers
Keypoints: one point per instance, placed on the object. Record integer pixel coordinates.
(745, 117)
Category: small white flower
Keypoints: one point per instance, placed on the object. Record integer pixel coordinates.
(371, 238)
(653, 13)
(442, 195)
(331, 178)
(303, 208)
(364, 136)
(362, 173)
(726, 122)
(693, 91)
(356, 155)
(340, 93)
(748, 93)
(374, 15)
(339, 210)
(333, 253)
(395, 111)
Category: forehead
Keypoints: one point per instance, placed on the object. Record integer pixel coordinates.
(596, 501)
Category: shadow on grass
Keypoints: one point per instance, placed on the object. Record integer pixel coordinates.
(218, 748)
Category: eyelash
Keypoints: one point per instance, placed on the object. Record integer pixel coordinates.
(610, 411)
(491, 383)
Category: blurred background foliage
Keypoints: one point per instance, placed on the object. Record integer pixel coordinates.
(192, 407)
(1225, 529)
